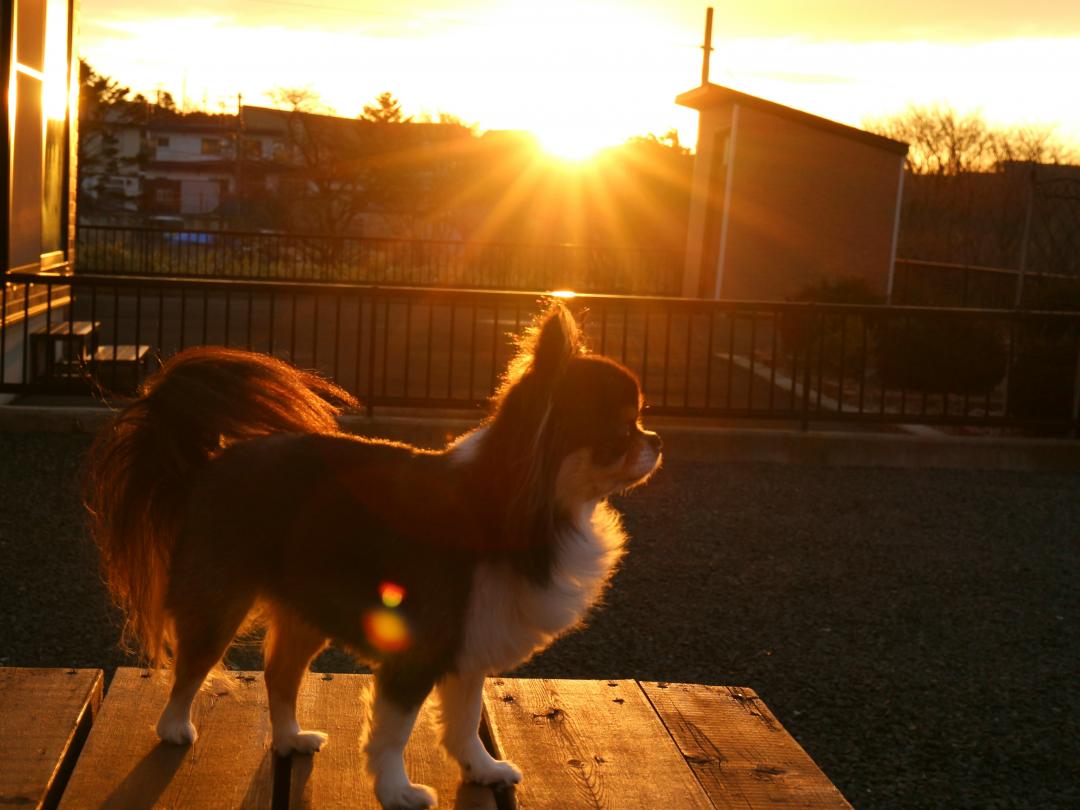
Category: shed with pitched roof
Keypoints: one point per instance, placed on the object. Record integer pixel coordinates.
(782, 198)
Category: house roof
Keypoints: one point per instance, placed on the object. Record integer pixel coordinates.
(714, 95)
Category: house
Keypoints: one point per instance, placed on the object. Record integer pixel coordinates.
(782, 198)
(166, 163)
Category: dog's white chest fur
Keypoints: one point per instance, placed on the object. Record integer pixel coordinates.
(509, 618)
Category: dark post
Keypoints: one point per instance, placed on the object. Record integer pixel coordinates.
(707, 47)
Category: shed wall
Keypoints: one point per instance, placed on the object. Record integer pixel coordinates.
(806, 204)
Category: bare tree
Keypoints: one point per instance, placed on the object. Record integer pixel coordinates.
(946, 142)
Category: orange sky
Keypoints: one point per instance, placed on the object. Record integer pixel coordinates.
(587, 74)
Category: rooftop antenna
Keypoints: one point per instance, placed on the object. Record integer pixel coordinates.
(707, 47)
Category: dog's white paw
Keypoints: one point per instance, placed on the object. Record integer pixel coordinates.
(406, 796)
(302, 742)
(492, 772)
(176, 730)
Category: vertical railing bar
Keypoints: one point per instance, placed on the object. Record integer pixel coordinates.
(385, 342)
(820, 359)
(138, 319)
(3, 329)
(183, 317)
(905, 330)
(753, 360)
(205, 316)
(430, 344)
(472, 355)
(453, 341)
(161, 320)
(494, 348)
(370, 394)
(625, 330)
(843, 358)
(359, 344)
(862, 362)
(645, 353)
(116, 334)
(250, 320)
(26, 333)
(804, 423)
(408, 346)
(709, 358)
(667, 355)
(292, 329)
(689, 353)
(337, 337)
(270, 328)
(228, 314)
(775, 339)
(731, 360)
(315, 331)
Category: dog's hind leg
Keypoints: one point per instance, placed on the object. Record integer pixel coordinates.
(398, 698)
(461, 701)
(290, 646)
(204, 629)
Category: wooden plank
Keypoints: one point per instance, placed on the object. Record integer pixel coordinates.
(739, 751)
(68, 328)
(595, 744)
(336, 777)
(125, 766)
(124, 353)
(45, 715)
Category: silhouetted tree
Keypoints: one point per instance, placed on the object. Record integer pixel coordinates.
(385, 110)
(104, 103)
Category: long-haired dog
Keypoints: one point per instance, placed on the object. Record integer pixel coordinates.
(226, 491)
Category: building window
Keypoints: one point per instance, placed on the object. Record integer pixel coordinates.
(162, 141)
(253, 148)
(211, 146)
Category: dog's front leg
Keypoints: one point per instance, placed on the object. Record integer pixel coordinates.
(394, 711)
(461, 697)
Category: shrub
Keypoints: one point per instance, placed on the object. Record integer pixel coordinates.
(939, 354)
(839, 336)
(1042, 378)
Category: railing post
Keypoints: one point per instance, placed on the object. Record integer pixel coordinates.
(804, 422)
(368, 407)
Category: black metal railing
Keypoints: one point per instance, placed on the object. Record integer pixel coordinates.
(429, 347)
(369, 260)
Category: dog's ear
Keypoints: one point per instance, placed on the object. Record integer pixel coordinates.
(556, 342)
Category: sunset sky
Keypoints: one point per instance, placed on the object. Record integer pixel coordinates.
(587, 74)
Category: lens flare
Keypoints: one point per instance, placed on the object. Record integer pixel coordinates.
(391, 594)
(386, 630)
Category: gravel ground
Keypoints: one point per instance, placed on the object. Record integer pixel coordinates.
(916, 631)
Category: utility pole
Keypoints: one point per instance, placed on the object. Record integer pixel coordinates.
(240, 195)
(707, 47)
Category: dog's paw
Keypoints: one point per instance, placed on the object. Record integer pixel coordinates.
(303, 742)
(176, 731)
(493, 773)
(406, 796)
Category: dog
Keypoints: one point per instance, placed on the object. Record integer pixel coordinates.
(225, 494)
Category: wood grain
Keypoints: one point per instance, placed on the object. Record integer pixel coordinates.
(45, 715)
(336, 778)
(739, 751)
(588, 744)
(125, 766)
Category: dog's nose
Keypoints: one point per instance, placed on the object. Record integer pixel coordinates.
(654, 441)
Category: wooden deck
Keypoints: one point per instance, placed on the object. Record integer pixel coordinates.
(581, 744)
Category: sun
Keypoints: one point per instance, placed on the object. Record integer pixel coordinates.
(569, 145)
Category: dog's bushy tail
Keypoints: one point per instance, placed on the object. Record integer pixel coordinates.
(141, 466)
